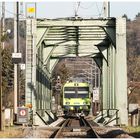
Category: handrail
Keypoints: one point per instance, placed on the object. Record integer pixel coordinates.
(114, 114)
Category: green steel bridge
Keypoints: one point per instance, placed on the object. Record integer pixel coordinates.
(104, 40)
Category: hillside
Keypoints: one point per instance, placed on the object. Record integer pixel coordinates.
(133, 59)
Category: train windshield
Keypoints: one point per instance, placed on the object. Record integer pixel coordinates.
(69, 95)
(83, 89)
(76, 92)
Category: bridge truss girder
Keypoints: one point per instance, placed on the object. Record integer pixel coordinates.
(102, 39)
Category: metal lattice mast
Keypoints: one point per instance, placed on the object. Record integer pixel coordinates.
(30, 83)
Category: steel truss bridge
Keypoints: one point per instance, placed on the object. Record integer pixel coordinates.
(104, 40)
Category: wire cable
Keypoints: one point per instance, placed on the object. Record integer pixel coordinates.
(98, 9)
(102, 10)
(12, 13)
(76, 9)
(90, 6)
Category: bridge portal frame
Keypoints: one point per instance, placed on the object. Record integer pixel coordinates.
(109, 52)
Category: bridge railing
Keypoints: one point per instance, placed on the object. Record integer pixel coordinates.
(107, 116)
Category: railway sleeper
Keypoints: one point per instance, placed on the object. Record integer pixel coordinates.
(85, 134)
(72, 129)
(74, 134)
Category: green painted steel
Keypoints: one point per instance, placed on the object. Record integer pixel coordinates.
(30, 87)
(121, 71)
(102, 39)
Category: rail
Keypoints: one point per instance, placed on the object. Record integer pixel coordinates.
(60, 130)
(94, 133)
(77, 127)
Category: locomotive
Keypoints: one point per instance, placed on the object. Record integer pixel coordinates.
(76, 98)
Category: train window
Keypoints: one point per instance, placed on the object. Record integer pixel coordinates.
(69, 88)
(65, 92)
(68, 95)
(83, 92)
(76, 88)
(76, 92)
(83, 88)
(83, 96)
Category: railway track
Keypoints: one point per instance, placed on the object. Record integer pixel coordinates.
(75, 127)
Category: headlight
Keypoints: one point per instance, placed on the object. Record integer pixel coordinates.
(67, 103)
(71, 108)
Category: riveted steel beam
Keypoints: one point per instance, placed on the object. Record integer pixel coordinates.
(75, 22)
(98, 60)
(103, 50)
(40, 36)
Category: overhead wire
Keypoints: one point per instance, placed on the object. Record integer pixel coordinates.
(12, 13)
(90, 6)
(98, 9)
(100, 12)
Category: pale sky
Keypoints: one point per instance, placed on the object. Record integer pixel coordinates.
(89, 9)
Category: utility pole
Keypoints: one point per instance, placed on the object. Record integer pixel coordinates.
(106, 5)
(18, 50)
(1, 46)
(0, 81)
(16, 43)
(3, 22)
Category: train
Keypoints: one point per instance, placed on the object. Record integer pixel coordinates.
(76, 98)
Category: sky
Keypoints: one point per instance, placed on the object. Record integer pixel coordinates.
(89, 9)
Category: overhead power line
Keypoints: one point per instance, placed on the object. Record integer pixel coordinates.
(80, 5)
(98, 9)
(12, 13)
(88, 7)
